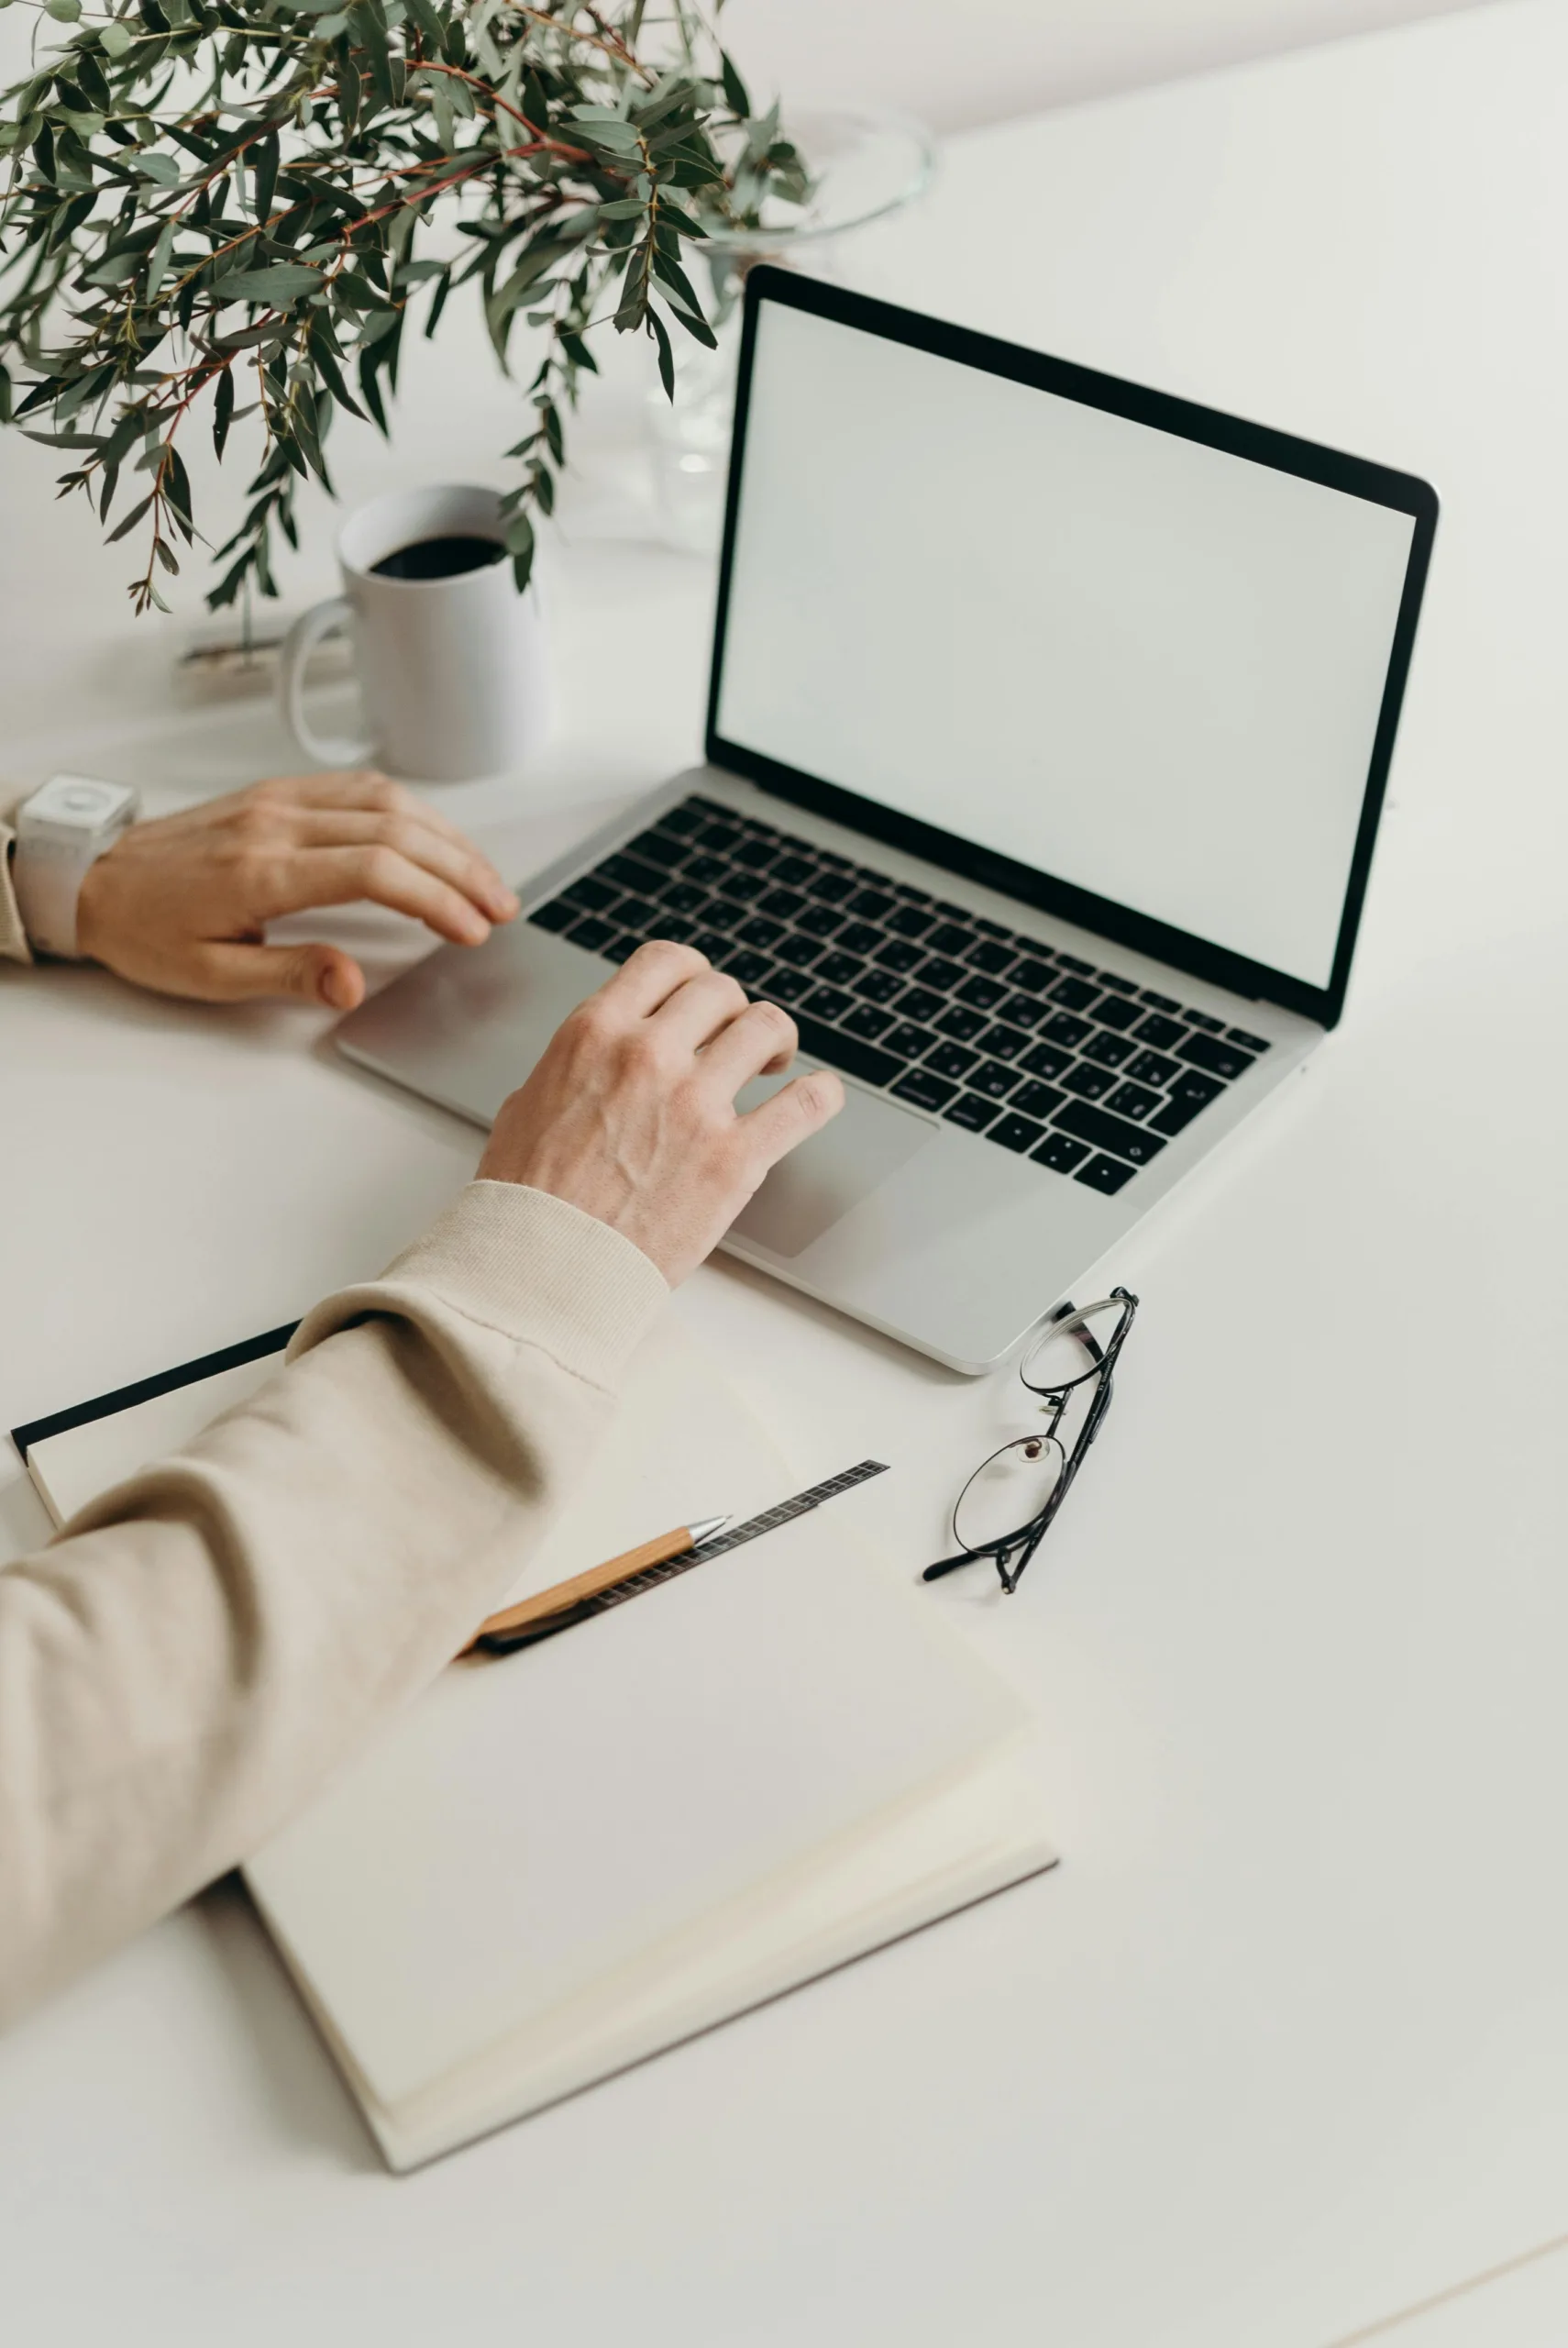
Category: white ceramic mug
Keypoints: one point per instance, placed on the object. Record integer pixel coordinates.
(452, 670)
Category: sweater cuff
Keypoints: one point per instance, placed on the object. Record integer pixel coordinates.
(530, 1265)
(13, 947)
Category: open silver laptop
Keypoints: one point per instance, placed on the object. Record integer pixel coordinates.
(1049, 726)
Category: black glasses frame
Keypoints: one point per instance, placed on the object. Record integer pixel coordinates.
(1010, 1552)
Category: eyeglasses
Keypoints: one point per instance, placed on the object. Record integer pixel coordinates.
(1009, 1503)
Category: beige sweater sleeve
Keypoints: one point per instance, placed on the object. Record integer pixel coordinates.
(201, 1646)
(13, 947)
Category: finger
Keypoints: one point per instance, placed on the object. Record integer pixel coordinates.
(362, 787)
(378, 876)
(309, 973)
(760, 1042)
(447, 855)
(698, 1011)
(792, 1116)
(650, 977)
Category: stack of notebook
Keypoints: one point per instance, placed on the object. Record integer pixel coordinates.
(559, 1862)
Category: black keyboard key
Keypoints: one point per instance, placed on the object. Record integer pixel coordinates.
(785, 985)
(726, 914)
(1150, 1069)
(1061, 1153)
(685, 820)
(1033, 1100)
(1090, 1083)
(972, 1110)
(1164, 1033)
(1085, 1121)
(744, 888)
(656, 848)
(721, 835)
(991, 929)
(591, 931)
(1221, 1059)
(715, 945)
(1113, 1011)
(1024, 1010)
(1033, 976)
(984, 993)
(921, 1003)
(758, 856)
(783, 904)
(684, 897)
(1108, 1049)
(1005, 1042)
(871, 904)
(939, 972)
(1158, 1002)
(801, 952)
(907, 1040)
(760, 931)
(991, 955)
(832, 888)
(911, 894)
(1118, 985)
(1107, 1174)
(830, 855)
(821, 921)
(1201, 1019)
(1240, 1035)
(959, 1021)
(837, 969)
(830, 1002)
(859, 937)
(591, 893)
(927, 1092)
(994, 1079)
(557, 915)
(900, 954)
(910, 921)
(851, 1053)
(878, 985)
(707, 871)
(952, 1059)
(1067, 1029)
(793, 871)
(1132, 1101)
(868, 1021)
(950, 939)
(1076, 993)
(1189, 1095)
(672, 925)
(1017, 1132)
(1071, 962)
(647, 880)
(749, 967)
(1046, 1060)
(621, 946)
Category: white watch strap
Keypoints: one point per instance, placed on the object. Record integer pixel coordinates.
(47, 877)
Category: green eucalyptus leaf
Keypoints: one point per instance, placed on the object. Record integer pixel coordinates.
(162, 168)
(114, 39)
(65, 12)
(280, 284)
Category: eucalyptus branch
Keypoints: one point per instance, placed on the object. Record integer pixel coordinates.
(198, 188)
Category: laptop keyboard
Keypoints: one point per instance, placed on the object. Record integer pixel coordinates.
(1038, 1051)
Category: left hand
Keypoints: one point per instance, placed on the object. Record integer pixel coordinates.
(182, 905)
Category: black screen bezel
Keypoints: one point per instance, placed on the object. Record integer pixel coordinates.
(1404, 492)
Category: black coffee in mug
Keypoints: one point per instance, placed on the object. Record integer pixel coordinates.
(444, 558)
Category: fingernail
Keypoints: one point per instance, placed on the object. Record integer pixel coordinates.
(335, 990)
(504, 903)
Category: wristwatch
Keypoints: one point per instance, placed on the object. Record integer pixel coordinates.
(61, 831)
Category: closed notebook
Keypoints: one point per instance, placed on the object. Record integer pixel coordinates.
(559, 1862)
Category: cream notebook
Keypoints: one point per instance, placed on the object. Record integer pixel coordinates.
(557, 1864)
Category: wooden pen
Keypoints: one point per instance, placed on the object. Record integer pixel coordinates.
(562, 1596)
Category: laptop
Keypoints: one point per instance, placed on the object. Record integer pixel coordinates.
(1048, 728)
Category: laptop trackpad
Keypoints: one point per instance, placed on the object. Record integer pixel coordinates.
(810, 1190)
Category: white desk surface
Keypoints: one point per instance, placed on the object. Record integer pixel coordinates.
(1282, 2048)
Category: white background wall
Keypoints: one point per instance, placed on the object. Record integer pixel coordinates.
(959, 61)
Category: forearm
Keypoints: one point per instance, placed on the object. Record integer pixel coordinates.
(184, 1664)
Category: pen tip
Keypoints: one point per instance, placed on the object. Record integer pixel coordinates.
(703, 1528)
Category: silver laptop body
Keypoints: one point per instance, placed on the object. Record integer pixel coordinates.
(1051, 711)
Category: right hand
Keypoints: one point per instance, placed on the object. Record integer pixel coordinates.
(630, 1114)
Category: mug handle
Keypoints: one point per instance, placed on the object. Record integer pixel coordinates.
(325, 750)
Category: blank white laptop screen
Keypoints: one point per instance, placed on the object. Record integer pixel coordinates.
(1149, 668)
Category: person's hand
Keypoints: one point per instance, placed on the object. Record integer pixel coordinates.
(630, 1115)
(182, 905)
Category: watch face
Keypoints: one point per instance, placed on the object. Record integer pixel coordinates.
(81, 800)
